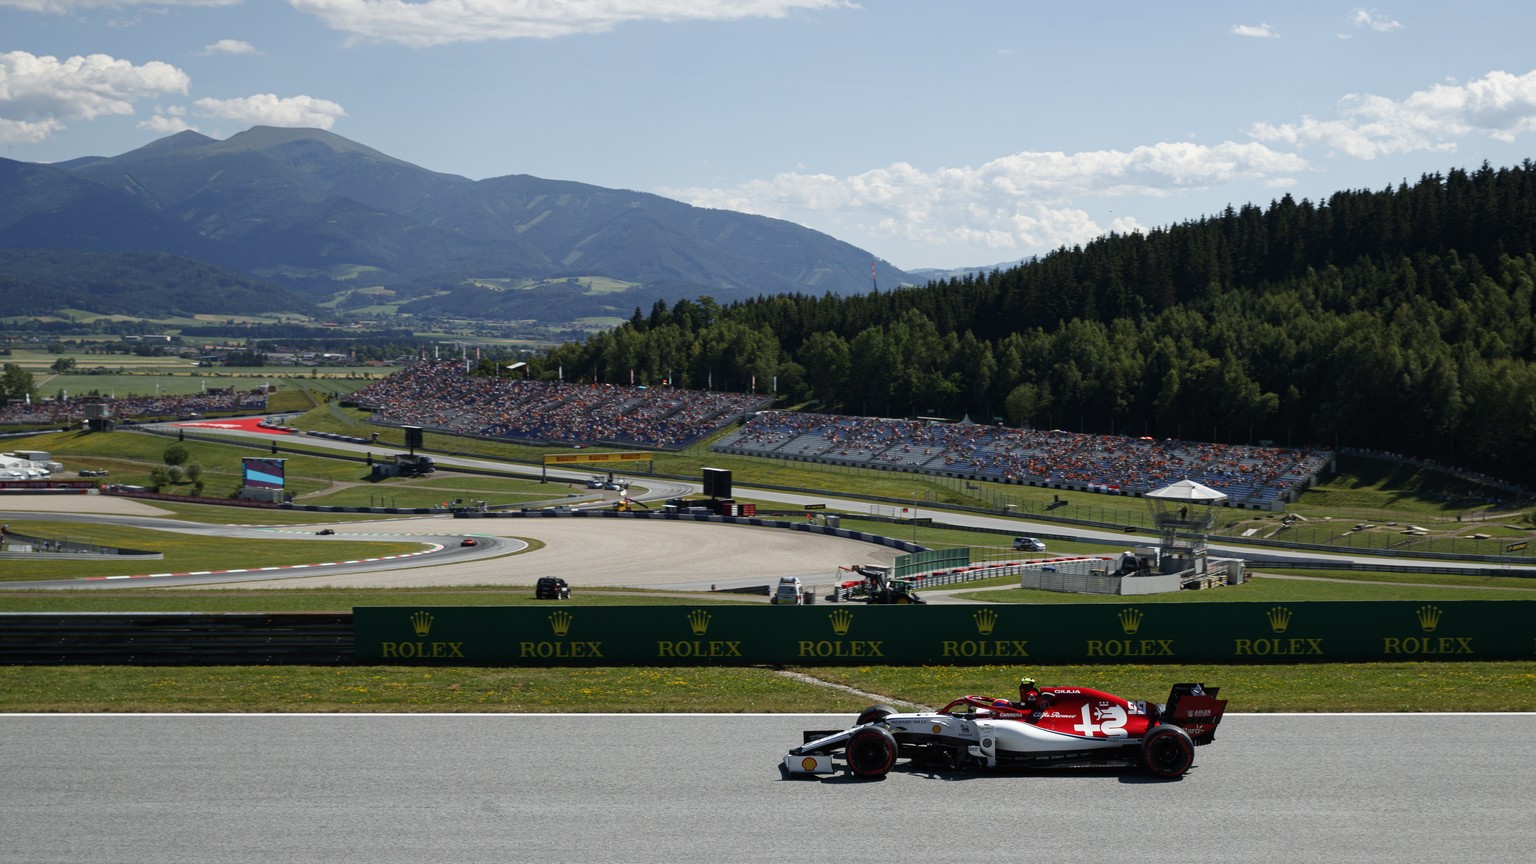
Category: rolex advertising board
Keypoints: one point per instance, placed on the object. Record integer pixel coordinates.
(831, 634)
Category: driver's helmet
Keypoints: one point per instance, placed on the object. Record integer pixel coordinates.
(1000, 703)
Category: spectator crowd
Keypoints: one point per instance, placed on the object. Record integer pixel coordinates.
(440, 395)
(73, 410)
(1108, 463)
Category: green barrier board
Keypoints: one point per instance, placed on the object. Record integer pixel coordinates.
(850, 633)
(931, 560)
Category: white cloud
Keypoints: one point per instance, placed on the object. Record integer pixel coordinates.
(1018, 203)
(37, 94)
(61, 7)
(437, 22)
(164, 124)
(1370, 19)
(28, 132)
(266, 109)
(229, 46)
(1499, 105)
(1256, 31)
(167, 121)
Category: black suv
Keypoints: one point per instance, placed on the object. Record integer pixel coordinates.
(551, 588)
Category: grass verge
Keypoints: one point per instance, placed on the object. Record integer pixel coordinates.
(1362, 687)
(188, 552)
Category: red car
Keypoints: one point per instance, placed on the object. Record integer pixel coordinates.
(469, 541)
(1046, 727)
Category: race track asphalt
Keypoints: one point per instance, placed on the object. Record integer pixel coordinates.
(254, 789)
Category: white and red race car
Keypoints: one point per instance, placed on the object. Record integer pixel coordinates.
(1047, 727)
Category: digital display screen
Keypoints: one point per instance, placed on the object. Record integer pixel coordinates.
(263, 473)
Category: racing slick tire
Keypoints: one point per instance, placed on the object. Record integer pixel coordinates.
(873, 713)
(871, 752)
(1167, 751)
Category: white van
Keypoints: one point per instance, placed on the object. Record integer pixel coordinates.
(789, 592)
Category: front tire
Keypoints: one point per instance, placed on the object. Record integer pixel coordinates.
(871, 752)
(873, 713)
(1167, 752)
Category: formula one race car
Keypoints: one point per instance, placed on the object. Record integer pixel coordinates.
(1047, 727)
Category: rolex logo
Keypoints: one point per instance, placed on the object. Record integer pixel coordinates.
(985, 620)
(560, 622)
(841, 620)
(1279, 619)
(421, 622)
(698, 622)
(1130, 620)
(1429, 617)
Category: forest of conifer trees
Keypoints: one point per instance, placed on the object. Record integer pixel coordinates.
(1399, 320)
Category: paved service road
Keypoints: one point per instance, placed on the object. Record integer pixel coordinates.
(249, 789)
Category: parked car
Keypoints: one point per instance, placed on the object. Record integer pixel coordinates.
(1028, 544)
(551, 588)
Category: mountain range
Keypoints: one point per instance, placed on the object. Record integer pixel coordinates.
(318, 214)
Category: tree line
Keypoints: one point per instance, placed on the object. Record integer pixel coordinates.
(1400, 319)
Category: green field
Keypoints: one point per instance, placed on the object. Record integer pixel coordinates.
(311, 479)
(184, 552)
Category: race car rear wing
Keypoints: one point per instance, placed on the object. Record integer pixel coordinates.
(1195, 708)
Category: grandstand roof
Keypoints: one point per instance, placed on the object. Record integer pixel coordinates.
(1188, 490)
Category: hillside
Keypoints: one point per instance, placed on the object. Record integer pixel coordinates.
(40, 281)
(320, 213)
(1401, 320)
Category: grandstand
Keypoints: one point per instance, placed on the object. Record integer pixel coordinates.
(439, 395)
(74, 410)
(1251, 477)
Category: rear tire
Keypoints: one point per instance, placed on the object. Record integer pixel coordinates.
(1167, 752)
(871, 752)
(873, 713)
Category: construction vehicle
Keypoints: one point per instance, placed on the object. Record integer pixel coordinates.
(626, 504)
(877, 586)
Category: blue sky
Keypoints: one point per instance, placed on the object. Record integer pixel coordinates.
(931, 134)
